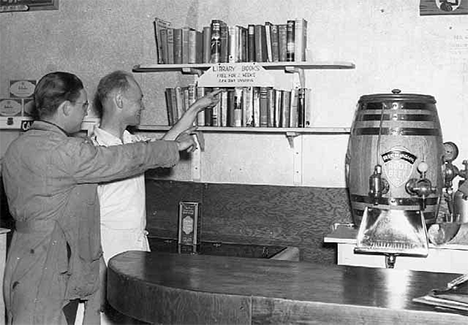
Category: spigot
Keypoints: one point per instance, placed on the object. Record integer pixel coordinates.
(450, 172)
(421, 187)
(377, 184)
(464, 172)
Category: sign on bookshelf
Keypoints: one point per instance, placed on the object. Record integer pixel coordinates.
(248, 74)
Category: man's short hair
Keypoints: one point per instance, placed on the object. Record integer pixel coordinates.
(117, 80)
(53, 89)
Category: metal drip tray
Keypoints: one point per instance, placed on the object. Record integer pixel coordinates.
(227, 249)
(398, 232)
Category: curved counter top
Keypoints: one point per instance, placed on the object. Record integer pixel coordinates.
(201, 289)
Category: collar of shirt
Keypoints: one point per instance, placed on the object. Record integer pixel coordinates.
(103, 137)
(48, 126)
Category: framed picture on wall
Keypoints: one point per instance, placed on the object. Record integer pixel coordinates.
(28, 5)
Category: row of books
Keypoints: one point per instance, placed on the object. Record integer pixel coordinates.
(222, 43)
(244, 107)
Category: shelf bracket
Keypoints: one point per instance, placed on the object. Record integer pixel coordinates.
(188, 70)
(295, 142)
(196, 156)
(300, 73)
(291, 138)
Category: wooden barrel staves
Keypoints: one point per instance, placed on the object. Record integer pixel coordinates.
(397, 132)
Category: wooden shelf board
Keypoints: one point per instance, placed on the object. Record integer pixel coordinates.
(314, 130)
(266, 65)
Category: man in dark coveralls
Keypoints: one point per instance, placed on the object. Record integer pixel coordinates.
(50, 180)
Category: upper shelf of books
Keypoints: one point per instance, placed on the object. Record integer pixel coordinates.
(189, 67)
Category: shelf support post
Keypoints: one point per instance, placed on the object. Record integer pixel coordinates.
(295, 142)
(196, 156)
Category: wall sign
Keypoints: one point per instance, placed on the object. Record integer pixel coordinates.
(248, 74)
(28, 5)
(443, 7)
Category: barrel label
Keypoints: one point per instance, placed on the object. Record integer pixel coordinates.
(398, 165)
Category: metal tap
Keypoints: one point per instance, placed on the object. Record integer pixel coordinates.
(377, 184)
(421, 187)
(464, 173)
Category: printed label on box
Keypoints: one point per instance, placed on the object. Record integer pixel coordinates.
(10, 107)
(22, 88)
(189, 223)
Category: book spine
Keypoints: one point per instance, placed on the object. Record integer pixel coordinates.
(185, 45)
(192, 46)
(282, 42)
(271, 106)
(223, 113)
(260, 43)
(290, 47)
(301, 108)
(247, 104)
(274, 43)
(278, 103)
(251, 43)
(200, 115)
(158, 25)
(215, 43)
(300, 40)
(177, 45)
(238, 106)
(175, 112)
(263, 107)
(224, 43)
(163, 34)
(286, 107)
(179, 96)
(233, 44)
(168, 96)
(170, 45)
(269, 55)
(243, 41)
(256, 106)
(199, 47)
(231, 104)
(293, 123)
(206, 44)
(307, 108)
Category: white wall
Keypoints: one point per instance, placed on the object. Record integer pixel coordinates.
(390, 43)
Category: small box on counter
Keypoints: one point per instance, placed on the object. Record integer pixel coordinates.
(189, 227)
(22, 88)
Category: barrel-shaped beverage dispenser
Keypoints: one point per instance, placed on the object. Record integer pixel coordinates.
(394, 163)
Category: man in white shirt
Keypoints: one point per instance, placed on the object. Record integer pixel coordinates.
(119, 99)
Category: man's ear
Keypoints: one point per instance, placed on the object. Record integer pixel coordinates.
(65, 108)
(118, 99)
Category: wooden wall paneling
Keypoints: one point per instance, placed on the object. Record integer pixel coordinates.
(276, 215)
(162, 205)
(253, 214)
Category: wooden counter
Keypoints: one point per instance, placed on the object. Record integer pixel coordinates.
(200, 289)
